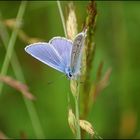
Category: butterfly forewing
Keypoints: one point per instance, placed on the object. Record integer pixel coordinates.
(45, 53)
(63, 47)
(78, 44)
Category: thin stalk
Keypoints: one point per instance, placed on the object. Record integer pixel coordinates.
(12, 41)
(19, 76)
(76, 99)
(62, 17)
(64, 28)
(29, 104)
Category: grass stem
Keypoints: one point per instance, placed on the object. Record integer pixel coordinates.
(12, 41)
(18, 71)
(76, 99)
(62, 17)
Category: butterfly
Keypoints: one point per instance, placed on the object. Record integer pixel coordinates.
(60, 53)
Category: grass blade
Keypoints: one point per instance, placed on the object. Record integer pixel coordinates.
(18, 71)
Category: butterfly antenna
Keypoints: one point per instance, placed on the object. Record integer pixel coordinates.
(50, 82)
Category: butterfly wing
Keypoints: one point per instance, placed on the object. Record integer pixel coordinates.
(46, 53)
(78, 44)
(63, 47)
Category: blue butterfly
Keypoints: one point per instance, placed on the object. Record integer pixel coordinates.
(60, 53)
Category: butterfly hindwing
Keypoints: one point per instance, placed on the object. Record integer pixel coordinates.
(63, 47)
(45, 53)
(76, 53)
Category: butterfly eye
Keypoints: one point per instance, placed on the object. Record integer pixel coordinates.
(70, 75)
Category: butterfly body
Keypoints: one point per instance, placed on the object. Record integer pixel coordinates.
(60, 53)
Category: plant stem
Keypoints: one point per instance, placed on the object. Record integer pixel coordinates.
(62, 17)
(12, 41)
(64, 28)
(19, 74)
(78, 131)
(76, 99)
(76, 96)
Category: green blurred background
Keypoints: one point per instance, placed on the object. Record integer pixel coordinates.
(116, 112)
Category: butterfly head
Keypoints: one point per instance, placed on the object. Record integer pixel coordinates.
(69, 73)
